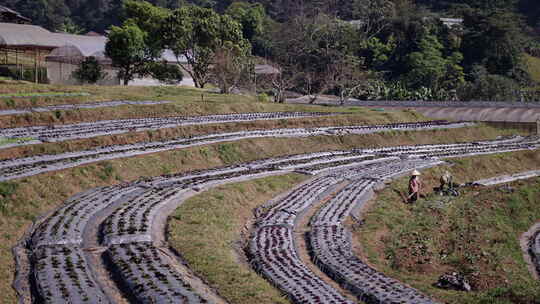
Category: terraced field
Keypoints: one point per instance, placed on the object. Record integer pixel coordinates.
(109, 244)
(134, 213)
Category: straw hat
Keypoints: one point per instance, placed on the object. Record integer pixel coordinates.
(415, 173)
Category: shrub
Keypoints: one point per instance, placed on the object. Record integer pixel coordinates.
(167, 73)
(89, 71)
(490, 87)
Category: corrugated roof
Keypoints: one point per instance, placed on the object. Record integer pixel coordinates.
(18, 35)
(86, 45)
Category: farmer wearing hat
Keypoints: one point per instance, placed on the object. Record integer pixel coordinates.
(414, 187)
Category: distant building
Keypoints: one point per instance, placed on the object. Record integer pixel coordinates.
(60, 54)
(451, 22)
(8, 15)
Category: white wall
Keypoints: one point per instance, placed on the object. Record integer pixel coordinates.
(61, 73)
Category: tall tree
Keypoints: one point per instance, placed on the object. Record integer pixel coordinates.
(196, 33)
(127, 49)
(250, 16)
(493, 39)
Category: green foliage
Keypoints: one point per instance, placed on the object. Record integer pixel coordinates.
(250, 15)
(127, 49)
(427, 66)
(51, 14)
(380, 90)
(89, 71)
(196, 33)
(489, 87)
(7, 189)
(494, 40)
(164, 72)
(377, 53)
(107, 171)
(228, 153)
(71, 28)
(149, 19)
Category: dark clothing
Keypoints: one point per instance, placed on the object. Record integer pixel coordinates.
(413, 197)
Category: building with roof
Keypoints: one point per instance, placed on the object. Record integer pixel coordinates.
(8, 15)
(451, 22)
(59, 54)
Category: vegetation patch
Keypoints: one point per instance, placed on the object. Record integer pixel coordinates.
(43, 94)
(207, 229)
(7, 190)
(533, 67)
(6, 141)
(476, 234)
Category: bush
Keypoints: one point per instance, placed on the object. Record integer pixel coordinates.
(167, 73)
(89, 71)
(489, 87)
(379, 90)
(263, 97)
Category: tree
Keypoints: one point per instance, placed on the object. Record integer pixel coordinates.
(196, 33)
(376, 53)
(308, 47)
(127, 49)
(149, 19)
(89, 71)
(136, 45)
(164, 72)
(250, 16)
(230, 68)
(426, 66)
(346, 76)
(494, 40)
(71, 28)
(373, 16)
(49, 13)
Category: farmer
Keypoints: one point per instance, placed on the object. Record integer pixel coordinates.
(414, 187)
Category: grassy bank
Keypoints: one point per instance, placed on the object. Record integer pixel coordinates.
(186, 101)
(476, 234)
(39, 194)
(206, 229)
(358, 118)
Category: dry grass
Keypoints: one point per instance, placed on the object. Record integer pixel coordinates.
(476, 234)
(206, 229)
(186, 101)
